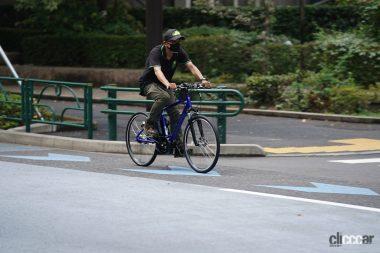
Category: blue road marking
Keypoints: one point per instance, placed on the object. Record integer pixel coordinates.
(328, 188)
(52, 157)
(176, 170)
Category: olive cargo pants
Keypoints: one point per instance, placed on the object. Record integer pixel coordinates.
(162, 97)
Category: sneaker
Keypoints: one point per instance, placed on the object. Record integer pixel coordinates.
(150, 132)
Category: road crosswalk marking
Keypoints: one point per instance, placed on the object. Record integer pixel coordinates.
(175, 170)
(357, 161)
(327, 188)
(52, 157)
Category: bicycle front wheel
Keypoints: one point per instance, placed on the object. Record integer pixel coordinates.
(141, 153)
(202, 146)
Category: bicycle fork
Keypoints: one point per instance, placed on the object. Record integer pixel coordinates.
(199, 123)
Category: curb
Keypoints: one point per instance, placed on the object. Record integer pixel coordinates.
(313, 116)
(37, 128)
(107, 146)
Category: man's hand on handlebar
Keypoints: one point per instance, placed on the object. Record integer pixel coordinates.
(172, 86)
(206, 84)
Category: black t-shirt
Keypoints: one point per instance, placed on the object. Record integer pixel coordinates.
(157, 57)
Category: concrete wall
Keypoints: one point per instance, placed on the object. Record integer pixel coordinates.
(98, 76)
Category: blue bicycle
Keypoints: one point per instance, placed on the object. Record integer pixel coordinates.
(200, 139)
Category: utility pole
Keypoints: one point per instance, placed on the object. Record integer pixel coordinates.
(154, 23)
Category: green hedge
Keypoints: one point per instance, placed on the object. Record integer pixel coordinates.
(267, 90)
(11, 38)
(214, 55)
(340, 18)
(311, 92)
(349, 55)
(85, 50)
(9, 16)
(286, 22)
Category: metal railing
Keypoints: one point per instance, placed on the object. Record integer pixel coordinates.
(220, 104)
(31, 103)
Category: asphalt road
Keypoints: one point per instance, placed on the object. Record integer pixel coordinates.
(261, 130)
(51, 205)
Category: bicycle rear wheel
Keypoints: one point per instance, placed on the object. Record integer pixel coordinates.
(141, 153)
(202, 146)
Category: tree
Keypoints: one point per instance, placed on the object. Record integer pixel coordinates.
(67, 16)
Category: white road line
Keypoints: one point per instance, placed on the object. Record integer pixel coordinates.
(355, 161)
(371, 209)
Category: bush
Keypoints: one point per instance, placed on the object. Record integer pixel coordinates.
(350, 99)
(181, 77)
(311, 92)
(323, 92)
(73, 16)
(237, 36)
(371, 19)
(267, 90)
(214, 55)
(286, 22)
(349, 54)
(9, 110)
(340, 18)
(217, 55)
(118, 21)
(85, 50)
(275, 59)
(14, 110)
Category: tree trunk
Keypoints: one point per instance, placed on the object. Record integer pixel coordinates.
(102, 4)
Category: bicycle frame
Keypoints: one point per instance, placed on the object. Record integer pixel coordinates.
(164, 127)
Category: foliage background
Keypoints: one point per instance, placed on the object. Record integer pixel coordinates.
(337, 70)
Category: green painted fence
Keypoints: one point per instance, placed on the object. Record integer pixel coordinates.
(219, 99)
(31, 103)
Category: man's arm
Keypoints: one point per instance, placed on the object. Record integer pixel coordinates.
(194, 70)
(198, 75)
(161, 77)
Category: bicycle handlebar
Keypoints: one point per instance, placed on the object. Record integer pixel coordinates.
(197, 85)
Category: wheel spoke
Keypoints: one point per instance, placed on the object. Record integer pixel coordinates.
(210, 149)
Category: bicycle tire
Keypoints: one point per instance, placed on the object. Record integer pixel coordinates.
(137, 149)
(197, 154)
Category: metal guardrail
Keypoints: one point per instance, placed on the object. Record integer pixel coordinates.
(31, 103)
(221, 104)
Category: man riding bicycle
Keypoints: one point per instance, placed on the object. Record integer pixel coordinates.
(156, 81)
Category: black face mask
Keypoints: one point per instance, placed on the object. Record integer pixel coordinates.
(175, 48)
